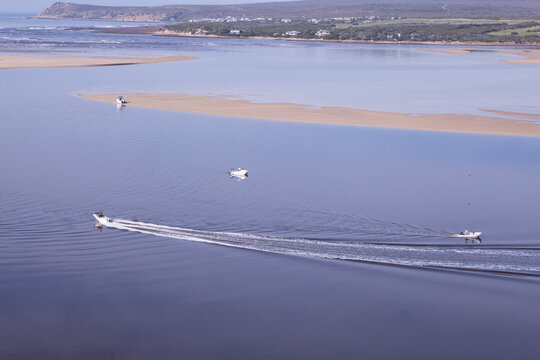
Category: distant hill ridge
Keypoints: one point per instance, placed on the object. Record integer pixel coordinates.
(305, 9)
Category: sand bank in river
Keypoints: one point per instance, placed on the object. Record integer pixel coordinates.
(530, 56)
(520, 124)
(19, 61)
(449, 50)
(513, 114)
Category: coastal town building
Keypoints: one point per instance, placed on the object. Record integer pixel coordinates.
(293, 33)
(322, 33)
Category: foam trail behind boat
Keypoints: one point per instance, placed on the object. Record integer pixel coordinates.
(504, 260)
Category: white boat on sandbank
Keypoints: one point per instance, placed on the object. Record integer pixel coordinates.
(120, 100)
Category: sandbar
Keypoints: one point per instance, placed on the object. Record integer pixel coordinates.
(530, 56)
(239, 108)
(527, 116)
(20, 61)
(449, 50)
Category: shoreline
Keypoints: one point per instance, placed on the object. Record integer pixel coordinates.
(522, 124)
(8, 61)
(151, 30)
(530, 56)
(453, 43)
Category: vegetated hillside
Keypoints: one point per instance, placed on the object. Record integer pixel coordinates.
(306, 9)
(398, 30)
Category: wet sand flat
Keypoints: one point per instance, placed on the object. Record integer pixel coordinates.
(449, 50)
(224, 106)
(530, 56)
(20, 61)
(527, 116)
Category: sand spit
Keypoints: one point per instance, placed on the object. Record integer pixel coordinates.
(220, 105)
(514, 114)
(449, 50)
(530, 56)
(20, 62)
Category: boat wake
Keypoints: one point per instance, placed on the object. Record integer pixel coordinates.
(516, 261)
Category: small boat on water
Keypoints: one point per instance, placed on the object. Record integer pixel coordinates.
(102, 219)
(238, 172)
(468, 234)
(120, 100)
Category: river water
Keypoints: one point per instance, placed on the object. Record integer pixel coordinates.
(309, 235)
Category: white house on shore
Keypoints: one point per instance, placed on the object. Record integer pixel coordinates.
(322, 33)
(293, 33)
(235, 32)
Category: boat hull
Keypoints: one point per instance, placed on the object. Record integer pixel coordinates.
(238, 173)
(473, 235)
(103, 220)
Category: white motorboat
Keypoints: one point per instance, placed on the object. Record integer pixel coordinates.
(102, 219)
(120, 100)
(238, 172)
(468, 234)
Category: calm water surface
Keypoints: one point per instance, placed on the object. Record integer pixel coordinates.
(315, 194)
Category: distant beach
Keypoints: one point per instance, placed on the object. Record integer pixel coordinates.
(530, 56)
(20, 61)
(517, 124)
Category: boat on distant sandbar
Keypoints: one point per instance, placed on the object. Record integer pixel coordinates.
(120, 100)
